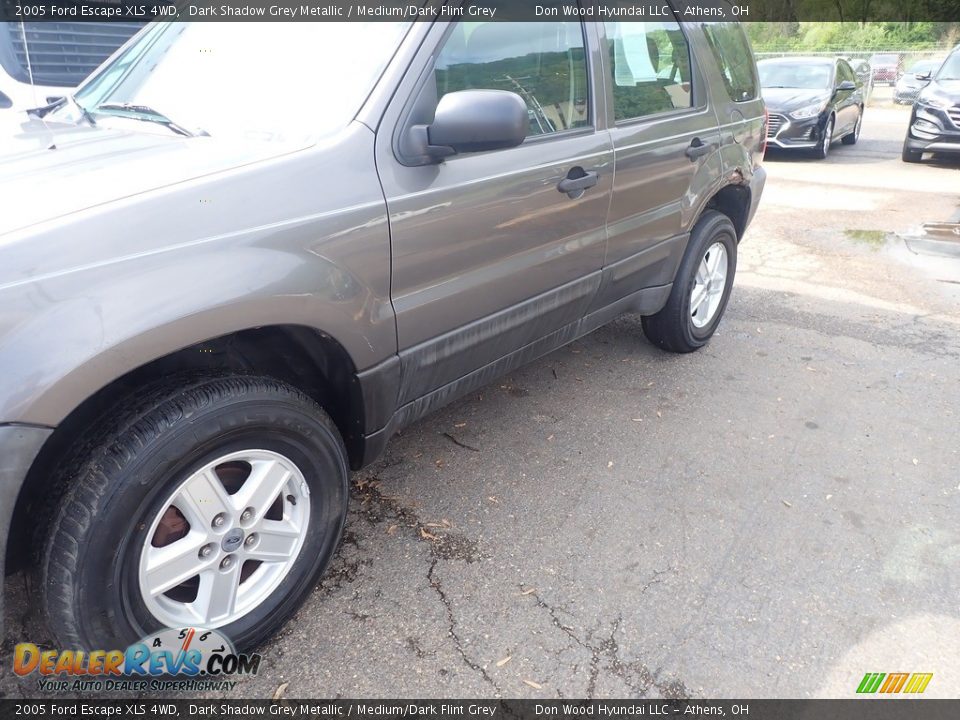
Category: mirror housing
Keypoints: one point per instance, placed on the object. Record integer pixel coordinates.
(847, 85)
(475, 121)
(924, 75)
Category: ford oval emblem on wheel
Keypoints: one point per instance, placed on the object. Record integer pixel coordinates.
(232, 540)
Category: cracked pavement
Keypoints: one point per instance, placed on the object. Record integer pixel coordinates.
(770, 517)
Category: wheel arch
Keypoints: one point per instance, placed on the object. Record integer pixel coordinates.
(734, 201)
(304, 357)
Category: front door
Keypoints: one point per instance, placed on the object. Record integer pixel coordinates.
(488, 254)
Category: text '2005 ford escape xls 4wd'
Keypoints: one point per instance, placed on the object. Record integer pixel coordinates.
(218, 291)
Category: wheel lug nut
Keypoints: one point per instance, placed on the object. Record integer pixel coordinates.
(219, 520)
(206, 551)
(247, 515)
(226, 563)
(251, 540)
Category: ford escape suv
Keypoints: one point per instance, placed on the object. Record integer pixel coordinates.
(227, 277)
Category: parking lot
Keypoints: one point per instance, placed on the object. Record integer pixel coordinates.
(773, 516)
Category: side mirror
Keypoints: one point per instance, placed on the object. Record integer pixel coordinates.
(847, 85)
(924, 75)
(477, 120)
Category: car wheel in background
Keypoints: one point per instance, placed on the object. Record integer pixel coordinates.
(700, 290)
(215, 503)
(852, 138)
(823, 148)
(909, 155)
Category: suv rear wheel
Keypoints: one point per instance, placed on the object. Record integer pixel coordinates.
(700, 290)
(214, 505)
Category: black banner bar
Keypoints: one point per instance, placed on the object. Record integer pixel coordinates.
(852, 11)
(307, 709)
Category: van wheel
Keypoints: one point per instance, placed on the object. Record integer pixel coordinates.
(212, 504)
(700, 290)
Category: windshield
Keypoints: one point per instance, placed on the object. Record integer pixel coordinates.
(806, 76)
(951, 68)
(256, 81)
(924, 66)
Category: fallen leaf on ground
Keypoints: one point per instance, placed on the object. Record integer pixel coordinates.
(493, 499)
(426, 535)
(534, 685)
(787, 503)
(915, 461)
(501, 663)
(610, 464)
(529, 592)
(392, 529)
(459, 425)
(279, 691)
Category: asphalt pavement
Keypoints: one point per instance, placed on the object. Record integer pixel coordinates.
(773, 516)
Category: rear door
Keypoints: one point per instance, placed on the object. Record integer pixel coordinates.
(665, 141)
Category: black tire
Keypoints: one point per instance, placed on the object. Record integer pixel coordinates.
(673, 328)
(120, 476)
(909, 155)
(822, 149)
(852, 138)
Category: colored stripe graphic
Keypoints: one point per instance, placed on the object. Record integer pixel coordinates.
(870, 682)
(918, 682)
(894, 682)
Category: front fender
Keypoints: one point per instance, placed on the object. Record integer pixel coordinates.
(89, 297)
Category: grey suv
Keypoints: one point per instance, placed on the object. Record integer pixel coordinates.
(227, 277)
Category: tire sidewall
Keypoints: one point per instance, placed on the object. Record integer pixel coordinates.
(109, 588)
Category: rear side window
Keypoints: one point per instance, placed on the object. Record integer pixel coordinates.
(650, 63)
(731, 50)
(543, 62)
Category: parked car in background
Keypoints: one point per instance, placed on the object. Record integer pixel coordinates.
(812, 101)
(61, 55)
(864, 73)
(935, 118)
(219, 292)
(913, 81)
(885, 68)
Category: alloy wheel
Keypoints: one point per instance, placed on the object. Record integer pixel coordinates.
(709, 284)
(224, 539)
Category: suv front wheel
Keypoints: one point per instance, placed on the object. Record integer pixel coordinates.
(214, 504)
(701, 288)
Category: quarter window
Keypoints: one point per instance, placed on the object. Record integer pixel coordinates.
(542, 62)
(731, 50)
(650, 63)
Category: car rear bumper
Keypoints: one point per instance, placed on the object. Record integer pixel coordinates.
(19, 446)
(757, 183)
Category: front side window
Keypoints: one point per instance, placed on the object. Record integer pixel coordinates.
(650, 63)
(731, 50)
(542, 62)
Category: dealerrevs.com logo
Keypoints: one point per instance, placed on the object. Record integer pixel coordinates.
(190, 659)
